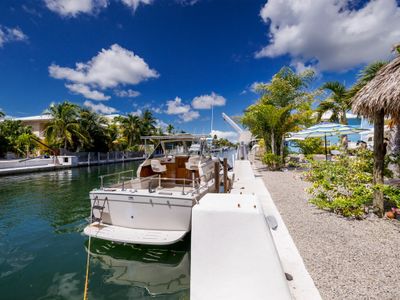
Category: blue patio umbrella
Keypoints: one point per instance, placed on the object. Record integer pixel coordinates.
(325, 129)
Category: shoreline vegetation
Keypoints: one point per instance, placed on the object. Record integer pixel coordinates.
(349, 183)
(74, 129)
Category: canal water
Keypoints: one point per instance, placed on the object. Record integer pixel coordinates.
(43, 251)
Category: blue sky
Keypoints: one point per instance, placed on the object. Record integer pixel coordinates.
(177, 57)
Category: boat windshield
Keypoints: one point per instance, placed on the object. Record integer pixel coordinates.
(182, 144)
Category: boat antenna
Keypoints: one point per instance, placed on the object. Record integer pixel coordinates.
(212, 115)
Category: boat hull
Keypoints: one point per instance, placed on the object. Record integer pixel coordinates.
(144, 210)
(140, 217)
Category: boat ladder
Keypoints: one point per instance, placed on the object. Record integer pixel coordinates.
(99, 207)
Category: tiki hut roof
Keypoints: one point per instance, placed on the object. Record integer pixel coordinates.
(382, 92)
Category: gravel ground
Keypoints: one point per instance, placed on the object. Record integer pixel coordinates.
(347, 259)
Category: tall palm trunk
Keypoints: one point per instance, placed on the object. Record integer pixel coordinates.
(273, 145)
(344, 138)
(379, 157)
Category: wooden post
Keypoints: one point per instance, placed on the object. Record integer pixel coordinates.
(225, 175)
(379, 158)
(216, 176)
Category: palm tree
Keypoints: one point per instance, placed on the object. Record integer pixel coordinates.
(170, 129)
(96, 128)
(284, 104)
(337, 102)
(131, 126)
(148, 123)
(2, 114)
(64, 128)
(365, 76)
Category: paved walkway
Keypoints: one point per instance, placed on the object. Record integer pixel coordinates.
(347, 259)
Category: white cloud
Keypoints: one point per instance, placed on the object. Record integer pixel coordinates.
(176, 107)
(8, 35)
(189, 116)
(329, 34)
(84, 90)
(156, 109)
(229, 135)
(138, 112)
(72, 8)
(161, 124)
(135, 3)
(127, 93)
(108, 69)
(206, 101)
(100, 108)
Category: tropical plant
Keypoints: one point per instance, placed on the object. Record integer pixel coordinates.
(10, 137)
(311, 145)
(64, 130)
(24, 144)
(365, 76)
(131, 128)
(170, 129)
(337, 102)
(285, 104)
(147, 123)
(272, 161)
(342, 186)
(96, 128)
(345, 186)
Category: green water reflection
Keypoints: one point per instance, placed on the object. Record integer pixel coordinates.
(43, 250)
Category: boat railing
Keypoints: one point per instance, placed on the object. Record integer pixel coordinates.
(187, 185)
(168, 184)
(118, 175)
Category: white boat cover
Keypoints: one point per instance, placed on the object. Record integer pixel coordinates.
(133, 236)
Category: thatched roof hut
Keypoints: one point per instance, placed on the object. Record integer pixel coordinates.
(377, 99)
(382, 92)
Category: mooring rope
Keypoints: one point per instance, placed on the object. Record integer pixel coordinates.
(85, 292)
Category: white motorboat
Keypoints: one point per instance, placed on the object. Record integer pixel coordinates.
(155, 207)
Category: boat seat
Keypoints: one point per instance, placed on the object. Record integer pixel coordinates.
(193, 163)
(157, 167)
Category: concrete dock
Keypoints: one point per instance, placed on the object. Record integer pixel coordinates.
(231, 227)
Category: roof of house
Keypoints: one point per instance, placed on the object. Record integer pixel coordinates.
(35, 118)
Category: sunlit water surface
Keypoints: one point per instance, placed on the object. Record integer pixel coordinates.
(43, 251)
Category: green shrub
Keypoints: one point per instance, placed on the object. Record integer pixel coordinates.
(342, 186)
(345, 186)
(272, 161)
(311, 146)
(391, 193)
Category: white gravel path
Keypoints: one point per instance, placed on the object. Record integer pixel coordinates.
(347, 259)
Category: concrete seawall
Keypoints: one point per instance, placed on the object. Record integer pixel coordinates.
(45, 166)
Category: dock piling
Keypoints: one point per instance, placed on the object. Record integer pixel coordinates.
(216, 176)
(225, 175)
